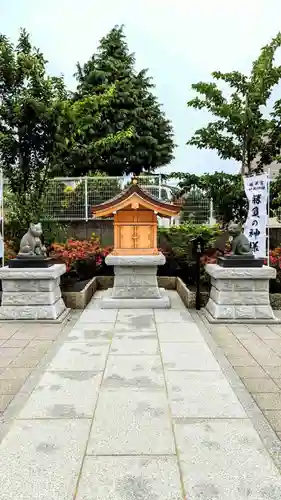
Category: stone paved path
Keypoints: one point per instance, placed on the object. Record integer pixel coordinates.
(254, 351)
(22, 349)
(135, 406)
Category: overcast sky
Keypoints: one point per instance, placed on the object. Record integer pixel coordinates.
(180, 41)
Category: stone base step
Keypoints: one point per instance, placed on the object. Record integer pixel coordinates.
(112, 303)
(60, 319)
(239, 312)
(35, 313)
(252, 321)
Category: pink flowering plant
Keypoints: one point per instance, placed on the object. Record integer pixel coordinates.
(81, 257)
(275, 262)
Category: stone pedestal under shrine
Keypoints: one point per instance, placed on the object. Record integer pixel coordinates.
(135, 282)
(32, 294)
(240, 295)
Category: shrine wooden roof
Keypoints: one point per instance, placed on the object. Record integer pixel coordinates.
(130, 197)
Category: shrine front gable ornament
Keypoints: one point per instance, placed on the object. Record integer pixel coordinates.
(135, 256)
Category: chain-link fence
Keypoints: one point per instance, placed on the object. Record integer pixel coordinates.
(70, 200)
(196, 208)
(73, 198)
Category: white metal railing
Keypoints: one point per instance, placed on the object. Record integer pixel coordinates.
(72, 198)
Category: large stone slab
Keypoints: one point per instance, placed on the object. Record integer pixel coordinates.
(137, 335)
(186, 332)
(132, 316)
(42, 459)
(125, 346)
(63, 395)
(202, 395)
(141, 326)
(188, 356)
(173, 316)
(140, 373)
(135, 320)
(135, 423)
(96, 333)
(134, 478)
(80, 357)
(97, 316)
(225, 460)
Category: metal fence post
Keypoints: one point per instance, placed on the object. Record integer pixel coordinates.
(86, 199)
(160, 187)
(211, 217)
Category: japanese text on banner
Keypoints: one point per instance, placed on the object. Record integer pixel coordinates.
(256, 189)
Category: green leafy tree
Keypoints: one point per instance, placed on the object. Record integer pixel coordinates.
(272, 147)
(275, 197)
(32, 131)
(33, 125)
(240, 130)
(134, 108)
(39, 124)
(85, 147)
(226, 191)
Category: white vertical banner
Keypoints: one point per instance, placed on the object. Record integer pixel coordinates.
(256, 189)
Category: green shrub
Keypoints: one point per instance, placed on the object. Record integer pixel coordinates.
(180, 238)
(177, 244)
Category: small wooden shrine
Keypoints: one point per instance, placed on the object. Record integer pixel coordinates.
(135, 214)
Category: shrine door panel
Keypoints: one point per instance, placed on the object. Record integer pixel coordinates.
(126, 237)
(144, 237)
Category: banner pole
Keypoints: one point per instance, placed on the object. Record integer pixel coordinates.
(268, 214)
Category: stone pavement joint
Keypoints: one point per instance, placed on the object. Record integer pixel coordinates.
(136, 404)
